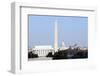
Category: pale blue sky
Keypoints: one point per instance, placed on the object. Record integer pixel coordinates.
(71, 29)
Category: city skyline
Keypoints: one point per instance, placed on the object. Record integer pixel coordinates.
(71, 29)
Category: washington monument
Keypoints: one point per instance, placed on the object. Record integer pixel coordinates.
(56, 36)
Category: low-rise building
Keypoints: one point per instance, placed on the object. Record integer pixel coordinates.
(42, 50)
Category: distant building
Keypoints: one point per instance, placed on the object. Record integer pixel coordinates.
(42, 50)
(63, 46)
(84, 48)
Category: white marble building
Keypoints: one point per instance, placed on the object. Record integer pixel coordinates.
(42, 50)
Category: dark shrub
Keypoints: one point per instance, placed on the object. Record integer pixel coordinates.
(32, 55)
(60, 55)
(81, 54)
(71, 54)
(50, 54)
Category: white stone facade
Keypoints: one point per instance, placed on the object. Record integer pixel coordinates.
(42, 50)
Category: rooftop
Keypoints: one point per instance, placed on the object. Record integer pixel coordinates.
(43, 47)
